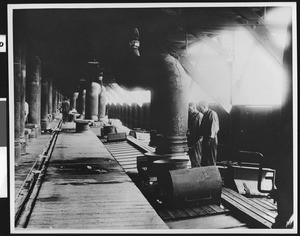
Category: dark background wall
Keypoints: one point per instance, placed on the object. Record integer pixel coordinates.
(249, 128)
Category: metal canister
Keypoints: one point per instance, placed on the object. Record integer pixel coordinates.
(108, 129)
(201, 184)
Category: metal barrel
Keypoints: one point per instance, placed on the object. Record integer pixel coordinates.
(82, 125)
(108, 129)
(201, 184)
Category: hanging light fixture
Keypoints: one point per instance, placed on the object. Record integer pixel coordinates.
(134, 42)
(94, 62)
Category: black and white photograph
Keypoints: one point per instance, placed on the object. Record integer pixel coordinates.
(149, 118)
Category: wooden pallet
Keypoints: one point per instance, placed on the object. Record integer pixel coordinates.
(261, 211)
(189, 212)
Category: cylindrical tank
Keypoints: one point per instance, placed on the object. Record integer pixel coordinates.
(183, 186)
(108, 129)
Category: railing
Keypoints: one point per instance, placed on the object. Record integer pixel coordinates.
(30, 188)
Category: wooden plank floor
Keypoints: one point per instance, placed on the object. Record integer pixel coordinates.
(125, 154)
(25, 162)
(85, 188)
(259, 210)
(176, 218)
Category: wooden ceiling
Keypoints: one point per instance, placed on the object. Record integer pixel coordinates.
(68, 38)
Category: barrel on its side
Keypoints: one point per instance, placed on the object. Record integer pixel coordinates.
(184, 186)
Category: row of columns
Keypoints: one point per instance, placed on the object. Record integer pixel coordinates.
(35, 88)
(132, 116)
(90, 101)
(168, 101)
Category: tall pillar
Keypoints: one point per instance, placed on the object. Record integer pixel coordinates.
(54, 101)
(33, 92)
(44, 103)
(57, 99)
(73, 101)
(50, 100)
(129, 116)
(91, 109)
(23, 95)
(102, 103)
(285, 164)
(134, 115)
(119, 111)
(140, 122)
(146, 115)
(156, 112)
(19, 99)
(124, 114)
(173, 109)
(81, 102)
(60, 98)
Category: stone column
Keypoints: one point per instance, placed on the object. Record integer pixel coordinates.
(118, 116)
(44, 104)
(81, 102)
(140, 118)
(23, 95)
(124, 114)
(284, 165)
(73, 101)
(54, 102)
(19, 99)
(146, 115)
(173, 108)
(50, 100)
(91, 109)
(134, 115)
(157, 110)
(129, 115)
(33, 92)
(102, 103)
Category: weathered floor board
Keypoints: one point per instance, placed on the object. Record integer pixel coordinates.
(256, 210)
(85, 188)
(126, 154)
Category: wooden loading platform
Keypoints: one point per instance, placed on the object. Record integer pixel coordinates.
(258, 212)
(93, 185)
(86, 189)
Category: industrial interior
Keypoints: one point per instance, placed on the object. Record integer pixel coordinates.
(120, 157)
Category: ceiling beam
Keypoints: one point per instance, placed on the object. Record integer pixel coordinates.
(190, 69)
(254, 24)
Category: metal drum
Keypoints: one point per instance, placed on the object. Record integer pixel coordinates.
(184, 186)
(108, 129)
(82, 125)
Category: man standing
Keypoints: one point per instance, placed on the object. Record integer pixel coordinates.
(194, 138)
(209, 129)
(65, 109)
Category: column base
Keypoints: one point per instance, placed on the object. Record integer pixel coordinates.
(23, 146)
(94, 118)
(156, 163)
(35, 130)
(27, 132)
(44, 124)
(172, 144)
(17, 150)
